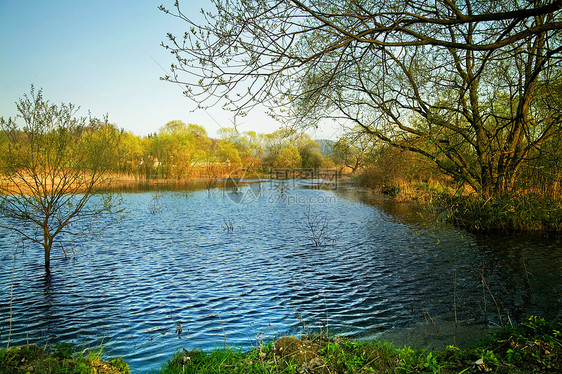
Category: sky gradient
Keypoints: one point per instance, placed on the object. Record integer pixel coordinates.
(104, 56)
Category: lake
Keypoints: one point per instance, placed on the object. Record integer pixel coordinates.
(201, 268)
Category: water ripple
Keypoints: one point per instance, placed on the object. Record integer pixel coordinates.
(152, 273)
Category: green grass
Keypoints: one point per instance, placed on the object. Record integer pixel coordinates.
(533, 347)
(318, 354)
(62, 358)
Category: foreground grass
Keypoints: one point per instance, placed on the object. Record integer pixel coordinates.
(61, 358)
(533, 347)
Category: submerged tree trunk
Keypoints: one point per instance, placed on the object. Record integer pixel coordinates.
(47, 245)
(47, 264)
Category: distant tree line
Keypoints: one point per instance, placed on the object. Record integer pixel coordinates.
(179, 150)
(182, 151)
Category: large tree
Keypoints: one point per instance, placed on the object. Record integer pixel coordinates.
(51, 167)
(470, 84)
(355, 150)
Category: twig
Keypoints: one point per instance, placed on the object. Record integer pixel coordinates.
(494, 300)
(318, 227)
(228, 226)
(455, 298)
(484, 298)
(222, 325)
(426, 313)
(485, 288)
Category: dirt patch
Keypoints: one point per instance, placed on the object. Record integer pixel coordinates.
(303, 353)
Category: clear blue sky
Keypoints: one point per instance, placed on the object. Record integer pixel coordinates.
(104, 56)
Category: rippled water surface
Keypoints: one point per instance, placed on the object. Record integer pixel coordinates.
(193, 269)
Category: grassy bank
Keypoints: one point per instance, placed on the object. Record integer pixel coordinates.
(60, 358)
(533, 347)
(517, 212)
(523, 212)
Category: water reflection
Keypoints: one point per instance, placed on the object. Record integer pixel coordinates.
(389, 267)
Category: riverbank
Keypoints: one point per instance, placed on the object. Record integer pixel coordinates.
(512, 213)
(60, 358)
(519, 212)
(535, 346)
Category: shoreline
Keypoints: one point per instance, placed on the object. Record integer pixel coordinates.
(525, 213)
(533, 346)
(516, 214)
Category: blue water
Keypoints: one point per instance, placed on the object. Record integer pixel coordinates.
(196, 269)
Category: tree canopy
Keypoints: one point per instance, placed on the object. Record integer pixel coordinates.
(472, 85)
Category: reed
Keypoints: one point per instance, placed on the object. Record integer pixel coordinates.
(528, 212)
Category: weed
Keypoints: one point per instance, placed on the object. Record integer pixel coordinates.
(533, 346)
(228, 226)
(517, 212)
(60, 358)
(410, 360)
(63, 350)
(155, 206)
(490, 358)
(513, 356)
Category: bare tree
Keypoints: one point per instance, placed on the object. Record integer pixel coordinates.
(319, 231)
(52, 166)
(469, 84)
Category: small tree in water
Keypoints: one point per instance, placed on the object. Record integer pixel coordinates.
(52, 165)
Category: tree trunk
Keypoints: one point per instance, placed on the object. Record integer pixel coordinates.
(47, 245)
(47, 259)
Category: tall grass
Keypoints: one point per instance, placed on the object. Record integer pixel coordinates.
(531, 208)
(516, 212)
